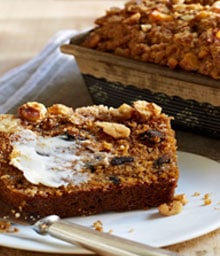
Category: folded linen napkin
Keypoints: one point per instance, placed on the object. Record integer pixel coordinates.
(50, 77)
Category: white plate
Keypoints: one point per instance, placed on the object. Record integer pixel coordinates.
(197, 174)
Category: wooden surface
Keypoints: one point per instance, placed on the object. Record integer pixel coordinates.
(26, 26)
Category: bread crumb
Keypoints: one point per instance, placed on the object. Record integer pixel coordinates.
(5, 227)
(206, 199)
(197, 194)
(182, 198)
(131, 230)
(98, 225)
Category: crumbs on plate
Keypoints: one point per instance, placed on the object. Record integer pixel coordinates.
(6, 227)
(207, 199)
(97, 225)
(174, 207)
(166, 209)
(196, 194)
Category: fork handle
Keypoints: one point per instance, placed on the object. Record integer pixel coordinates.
(95, 241)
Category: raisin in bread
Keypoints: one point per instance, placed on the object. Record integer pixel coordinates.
(93, 159)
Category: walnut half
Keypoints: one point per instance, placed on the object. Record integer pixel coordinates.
(170, 209)
(114, 129)
(147, 109)
(32, 111)
(174, 207)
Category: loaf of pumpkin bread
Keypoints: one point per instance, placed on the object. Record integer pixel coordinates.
(180, 34)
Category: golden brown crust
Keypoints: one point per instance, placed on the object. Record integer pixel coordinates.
(174, 33)
(139, 170)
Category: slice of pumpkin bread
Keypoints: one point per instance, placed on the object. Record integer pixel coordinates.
(93, 159)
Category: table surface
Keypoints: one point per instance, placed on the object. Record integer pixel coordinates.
(26, 26)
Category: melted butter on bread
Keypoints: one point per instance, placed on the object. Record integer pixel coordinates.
(51, 161)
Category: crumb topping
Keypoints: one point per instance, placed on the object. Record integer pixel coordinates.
(177, 33)
(83, 143)
(61, 146)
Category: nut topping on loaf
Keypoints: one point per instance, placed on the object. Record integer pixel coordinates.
(93, 159)
(175, 33)
(113, 129)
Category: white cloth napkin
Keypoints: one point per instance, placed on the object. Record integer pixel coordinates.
(50, 77)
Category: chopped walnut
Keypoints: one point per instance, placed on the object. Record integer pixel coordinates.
(146, 109)
(32, 112)
(181, 198)
(125, 111)
(133, 19)
(172, 208)
(216, 7)
(59, 109)
(146, 27)
(159, 16)
(114, 129)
